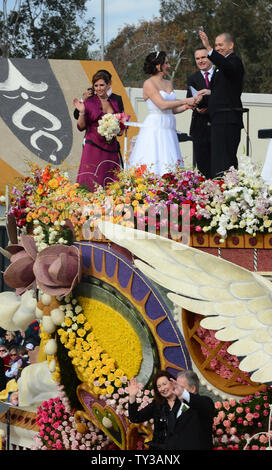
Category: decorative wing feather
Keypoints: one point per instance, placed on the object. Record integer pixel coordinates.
(235, 302)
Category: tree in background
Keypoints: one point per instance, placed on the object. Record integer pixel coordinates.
(45, 29)
(249, 21)
(176, 32)
(129, 49)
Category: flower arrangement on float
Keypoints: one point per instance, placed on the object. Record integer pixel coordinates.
(244, 204)
(244, 424)
(240, 202)
(59, 430)
(41, 201)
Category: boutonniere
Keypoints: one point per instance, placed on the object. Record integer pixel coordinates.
(185, 407)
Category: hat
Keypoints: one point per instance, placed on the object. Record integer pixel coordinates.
(29, 346)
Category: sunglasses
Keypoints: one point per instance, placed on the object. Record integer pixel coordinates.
(13, 354)
(3, 350)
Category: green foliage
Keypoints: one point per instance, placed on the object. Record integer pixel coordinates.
(47, 29)
(249, 22)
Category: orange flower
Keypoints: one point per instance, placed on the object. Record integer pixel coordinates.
(140, 170)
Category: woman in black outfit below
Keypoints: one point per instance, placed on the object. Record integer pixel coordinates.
(183, 419)
(163, 409)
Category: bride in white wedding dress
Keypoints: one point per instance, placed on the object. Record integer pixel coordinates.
(157, 144)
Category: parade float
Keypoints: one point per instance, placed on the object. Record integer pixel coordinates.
(150, 273)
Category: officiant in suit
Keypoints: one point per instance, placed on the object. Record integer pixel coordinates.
(200, 128)
(225, 106)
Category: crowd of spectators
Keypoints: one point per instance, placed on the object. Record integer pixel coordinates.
(14, 351)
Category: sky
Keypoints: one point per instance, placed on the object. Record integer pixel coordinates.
(118, 13)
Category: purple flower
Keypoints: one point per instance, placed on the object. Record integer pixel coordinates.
(19, 274)
(58, 269)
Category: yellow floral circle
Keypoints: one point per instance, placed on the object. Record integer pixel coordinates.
(115, 335)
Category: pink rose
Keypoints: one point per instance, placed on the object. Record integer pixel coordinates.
(239, 409)
(231, 416)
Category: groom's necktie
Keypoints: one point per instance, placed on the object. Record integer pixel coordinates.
(207, 79)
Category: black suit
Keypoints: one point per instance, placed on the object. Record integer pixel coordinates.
(114, 97)
(192, 430)
(200, 128)
(225, 109)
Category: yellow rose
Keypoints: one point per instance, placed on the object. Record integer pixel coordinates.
(80, 318)
(53, 183)
(119, 373)
(81, 332)
(117, 383)
(87, 326)
(110, 389)
(68, 321)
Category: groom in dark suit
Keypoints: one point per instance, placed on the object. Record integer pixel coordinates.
(200, 128)
(194, 422)
(225, 106)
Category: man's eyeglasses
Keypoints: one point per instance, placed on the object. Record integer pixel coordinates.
(3, 350)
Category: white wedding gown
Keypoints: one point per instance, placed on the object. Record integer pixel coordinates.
(157, 144)
(267, 168)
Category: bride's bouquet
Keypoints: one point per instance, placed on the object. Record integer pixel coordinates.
(110, 125)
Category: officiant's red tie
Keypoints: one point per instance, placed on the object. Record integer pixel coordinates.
(207, 79)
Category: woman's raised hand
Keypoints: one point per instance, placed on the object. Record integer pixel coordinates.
(133, 388)
(79, 105)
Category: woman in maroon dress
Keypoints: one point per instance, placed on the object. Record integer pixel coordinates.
(100, 160)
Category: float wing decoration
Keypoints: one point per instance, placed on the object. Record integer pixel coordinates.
(235, 302)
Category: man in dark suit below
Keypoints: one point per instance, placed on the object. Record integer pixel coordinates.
(225, 106)
(89, 92)
(193, 429)
(200, 128)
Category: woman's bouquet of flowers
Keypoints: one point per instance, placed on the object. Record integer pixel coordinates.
(110, 125)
